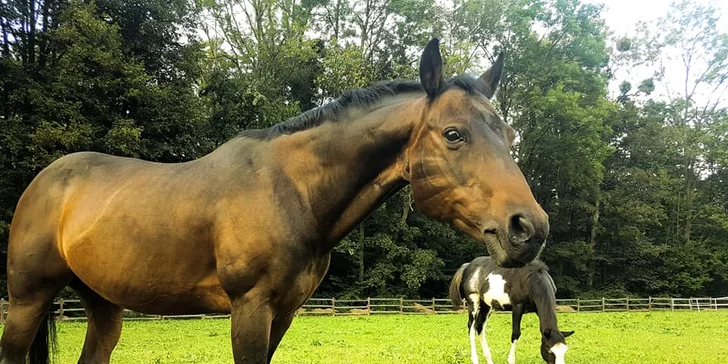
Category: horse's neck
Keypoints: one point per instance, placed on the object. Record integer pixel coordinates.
(544, 298)
(346, 169)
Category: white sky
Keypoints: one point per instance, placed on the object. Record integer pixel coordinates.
(621, 16)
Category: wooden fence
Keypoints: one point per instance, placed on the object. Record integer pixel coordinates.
(377, 306)
(70, 309)
(642, 304)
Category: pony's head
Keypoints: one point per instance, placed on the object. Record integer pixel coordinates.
(553, 345)
(460, 167)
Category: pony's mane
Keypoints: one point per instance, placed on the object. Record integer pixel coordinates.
(363, 97)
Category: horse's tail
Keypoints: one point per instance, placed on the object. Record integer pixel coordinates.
(456, 296)
(44, 343)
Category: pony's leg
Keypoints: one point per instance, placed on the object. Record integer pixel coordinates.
(480, 325)
(518, 311)
(251, 321)
(104, 326)
(473, 302)
(278, 329)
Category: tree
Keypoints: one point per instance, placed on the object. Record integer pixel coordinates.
(690, 57)
(635, 186)
(71, 82)
(269, 56)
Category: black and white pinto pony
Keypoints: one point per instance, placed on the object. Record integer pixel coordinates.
(486, 287)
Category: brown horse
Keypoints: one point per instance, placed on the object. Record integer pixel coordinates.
(249, 228)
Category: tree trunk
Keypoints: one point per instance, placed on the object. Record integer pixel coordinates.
(406, 206)
(678, 213)
(361, 254)
(365, 24)
(44, 33)
(31, 33)
(689, 197)
(337, 19)
(593, 241)
(4, 27)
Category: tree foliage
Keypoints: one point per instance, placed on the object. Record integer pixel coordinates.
(635, 185)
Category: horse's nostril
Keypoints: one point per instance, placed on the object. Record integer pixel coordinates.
(521, 228)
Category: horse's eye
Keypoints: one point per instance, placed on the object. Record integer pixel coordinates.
(452, 136)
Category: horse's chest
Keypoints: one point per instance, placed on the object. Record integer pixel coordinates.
(495, 294)
(296, 291)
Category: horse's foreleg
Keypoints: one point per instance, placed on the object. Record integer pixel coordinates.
(518, 311)
(250, 330)
(480, 325)
(278, 329)
(473, 314)
(473, 348)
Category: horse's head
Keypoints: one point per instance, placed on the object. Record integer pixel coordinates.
(460, 166)
(553, 345)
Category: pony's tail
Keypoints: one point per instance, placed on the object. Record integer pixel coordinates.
(455, 287)
(44, 343)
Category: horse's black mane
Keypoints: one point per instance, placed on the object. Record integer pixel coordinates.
(363, 97)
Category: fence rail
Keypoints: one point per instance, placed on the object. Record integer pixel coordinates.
(72, 310)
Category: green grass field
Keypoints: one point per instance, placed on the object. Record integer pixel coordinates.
(656, 337)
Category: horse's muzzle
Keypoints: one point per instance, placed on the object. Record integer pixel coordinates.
(526, 238)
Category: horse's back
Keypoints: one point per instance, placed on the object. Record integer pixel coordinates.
(111, 221)
(479, 268)
(42, 205)
(46, 195)
(487, 265)
(33, 250)
(501, 285)
(42, 200)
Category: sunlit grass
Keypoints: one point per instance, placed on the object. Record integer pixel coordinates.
(657, 337)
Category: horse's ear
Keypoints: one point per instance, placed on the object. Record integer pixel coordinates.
(492, 76)
(567, 333)
(431, 68)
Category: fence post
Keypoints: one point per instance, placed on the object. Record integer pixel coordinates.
(578, 305)
(672, 304)
(60, 310)
(369, 305)
(401, 303)
(649, 303)
(434, 310)
(333, 306)
(2, 311)
(627, 303)
(604, 306)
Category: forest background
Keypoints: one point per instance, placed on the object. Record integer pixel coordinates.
(622, 137)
